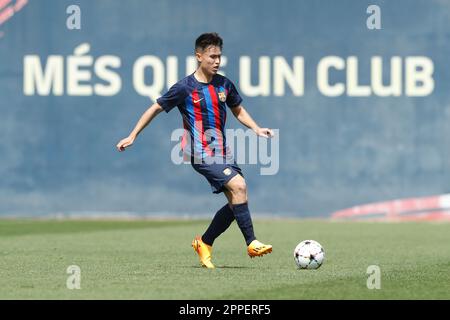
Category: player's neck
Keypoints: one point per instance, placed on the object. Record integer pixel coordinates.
(202, 76)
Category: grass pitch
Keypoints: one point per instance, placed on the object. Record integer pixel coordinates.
(154, 260)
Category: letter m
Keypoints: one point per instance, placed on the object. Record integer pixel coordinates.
(37, 80)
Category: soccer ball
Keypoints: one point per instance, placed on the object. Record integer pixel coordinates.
(309, 254)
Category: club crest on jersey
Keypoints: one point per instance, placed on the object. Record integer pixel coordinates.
(222, 96)
(227, 171)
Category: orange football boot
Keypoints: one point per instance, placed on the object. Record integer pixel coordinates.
(204, 252)
(258, 249)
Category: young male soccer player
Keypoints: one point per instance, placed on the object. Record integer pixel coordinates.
(201, 99)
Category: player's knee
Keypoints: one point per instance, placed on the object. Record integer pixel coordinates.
(242, 187)
(238, 186)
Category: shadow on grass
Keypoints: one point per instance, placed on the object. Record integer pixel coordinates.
(218, 267)
(234, 267)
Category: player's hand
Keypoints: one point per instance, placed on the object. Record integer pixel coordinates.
(264, 132)
(125, 143)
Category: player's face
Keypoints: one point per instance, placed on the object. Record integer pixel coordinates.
(209, 59)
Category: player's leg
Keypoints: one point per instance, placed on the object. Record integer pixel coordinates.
(238, 197)
(221, 221)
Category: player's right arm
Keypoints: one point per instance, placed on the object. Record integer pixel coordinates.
(145, 119)
(167, 102)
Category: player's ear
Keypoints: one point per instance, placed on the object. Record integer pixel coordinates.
(198, 55)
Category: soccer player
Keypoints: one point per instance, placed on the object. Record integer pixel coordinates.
(202, 98)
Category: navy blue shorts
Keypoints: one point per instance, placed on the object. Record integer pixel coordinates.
(217, 174)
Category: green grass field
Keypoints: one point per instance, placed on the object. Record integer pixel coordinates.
(154, 260)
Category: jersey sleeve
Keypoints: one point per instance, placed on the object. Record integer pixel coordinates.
(233, 97)
(172, 98)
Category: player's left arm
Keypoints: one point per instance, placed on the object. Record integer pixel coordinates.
(244, 117)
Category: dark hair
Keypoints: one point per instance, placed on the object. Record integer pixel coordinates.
(208, 39)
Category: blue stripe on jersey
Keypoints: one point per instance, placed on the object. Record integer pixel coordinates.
(198, 150)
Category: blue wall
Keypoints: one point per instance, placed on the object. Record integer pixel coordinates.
(57, 153)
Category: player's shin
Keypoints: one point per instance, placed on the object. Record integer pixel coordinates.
(221, 221)
(244, 221)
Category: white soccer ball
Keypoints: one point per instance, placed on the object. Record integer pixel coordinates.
(309, 254)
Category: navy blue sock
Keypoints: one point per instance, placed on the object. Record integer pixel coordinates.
(244, 221)
(221, 221)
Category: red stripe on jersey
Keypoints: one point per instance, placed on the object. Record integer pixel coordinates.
(199, 121)
(215, 103)
(184, 139)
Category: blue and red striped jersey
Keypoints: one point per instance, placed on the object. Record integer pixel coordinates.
(203, 108)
